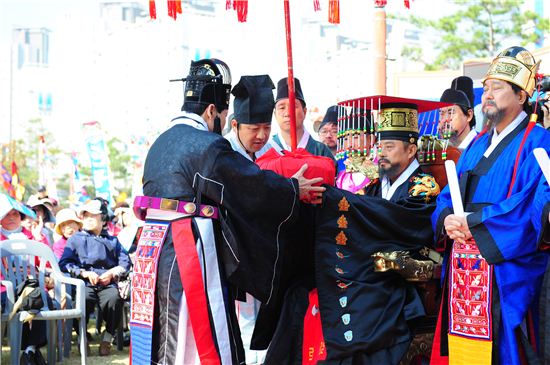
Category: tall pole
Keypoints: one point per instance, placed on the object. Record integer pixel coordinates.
(291, 90)
(379, 48)
(11, 93)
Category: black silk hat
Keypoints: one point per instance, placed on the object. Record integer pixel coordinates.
(253, 101)
(331, 116)
(457, 97)
(282, 90)
(208, 82)
(466, 85)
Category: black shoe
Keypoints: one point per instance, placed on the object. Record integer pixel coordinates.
(38, 358)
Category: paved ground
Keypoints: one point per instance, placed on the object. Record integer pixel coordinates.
(116, 357)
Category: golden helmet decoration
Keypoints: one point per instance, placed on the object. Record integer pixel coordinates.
(398, 121)
(516, 65)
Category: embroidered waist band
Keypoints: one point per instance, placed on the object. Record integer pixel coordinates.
(142, 203)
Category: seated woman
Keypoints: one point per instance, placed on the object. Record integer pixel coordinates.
(11, 215)
(99, 259)
(67, 224)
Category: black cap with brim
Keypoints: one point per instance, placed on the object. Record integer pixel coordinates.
(282, 90)
(410, 137)
(331, 117)
(253, 101)
(457, 97)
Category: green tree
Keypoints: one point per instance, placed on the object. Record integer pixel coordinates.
(25, 153)
(478, 29)
(120, 165)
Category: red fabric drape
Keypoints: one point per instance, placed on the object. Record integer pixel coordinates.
(313, 347)
(195, 294)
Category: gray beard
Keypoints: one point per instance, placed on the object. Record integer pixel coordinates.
(491, 120)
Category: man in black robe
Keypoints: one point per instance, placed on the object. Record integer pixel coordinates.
(207, 232)
(366, 316)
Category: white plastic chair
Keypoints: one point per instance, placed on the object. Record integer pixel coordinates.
(18, 263)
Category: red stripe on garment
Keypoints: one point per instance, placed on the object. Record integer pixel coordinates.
(193, 286)
(530, 126)
(436, 357)
(531, 328)
(529, 319)
(313, 345)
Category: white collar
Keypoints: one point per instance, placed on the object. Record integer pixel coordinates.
(498, 137)
(301, 144)
(237, 146)
(389, 189)
(192, 120)
(467, 140)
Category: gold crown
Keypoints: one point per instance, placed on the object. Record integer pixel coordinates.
(398, 118)
(515, 65)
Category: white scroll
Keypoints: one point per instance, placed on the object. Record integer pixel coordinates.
(454, 189)
(543, 161)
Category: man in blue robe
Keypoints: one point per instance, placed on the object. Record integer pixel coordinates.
(494, 268)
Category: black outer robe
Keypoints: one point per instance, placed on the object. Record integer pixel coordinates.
(189, 164)
(379, 304)
(381, 333)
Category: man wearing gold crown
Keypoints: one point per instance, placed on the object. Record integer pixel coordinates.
(494, 266)
(345, 312)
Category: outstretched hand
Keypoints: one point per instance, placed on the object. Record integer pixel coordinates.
(308, 192)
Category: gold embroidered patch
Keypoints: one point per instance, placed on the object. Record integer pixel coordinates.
(342, 222)
(425, 186)
(341, 239)
(343, 206)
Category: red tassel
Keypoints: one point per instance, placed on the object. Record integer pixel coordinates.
(152, 9)
(227, 4)
(334, 11)
(316, 5)
(178, 7)
(407, 4)
(172, 9)
(241, 6)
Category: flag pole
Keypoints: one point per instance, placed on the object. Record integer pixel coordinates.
(291, 89)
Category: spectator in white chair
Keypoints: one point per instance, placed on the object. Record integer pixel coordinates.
(99, 259)
(33, 335)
